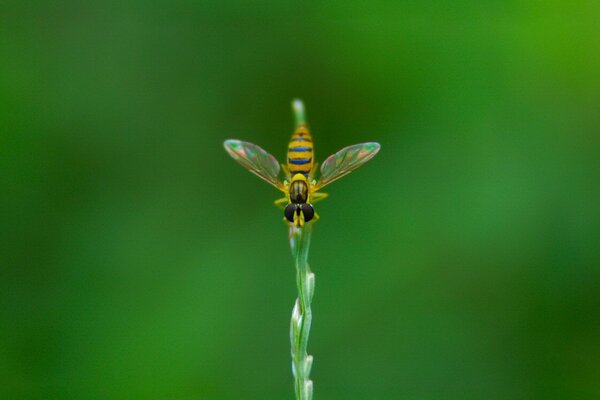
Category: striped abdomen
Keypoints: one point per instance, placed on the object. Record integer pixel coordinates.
(300, 152)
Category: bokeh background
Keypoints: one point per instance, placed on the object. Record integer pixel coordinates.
(139, 261)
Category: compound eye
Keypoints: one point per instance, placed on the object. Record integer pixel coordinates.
(308, 211)
(290, 209)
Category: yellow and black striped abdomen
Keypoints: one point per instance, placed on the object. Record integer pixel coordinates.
(300, 152)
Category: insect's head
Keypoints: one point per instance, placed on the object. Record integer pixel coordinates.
(298, 214)
(299, 211)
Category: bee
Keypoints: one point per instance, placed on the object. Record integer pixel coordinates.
(299, 184)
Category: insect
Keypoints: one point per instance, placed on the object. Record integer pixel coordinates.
(299, 185)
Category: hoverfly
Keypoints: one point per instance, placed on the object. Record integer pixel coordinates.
(299, 184)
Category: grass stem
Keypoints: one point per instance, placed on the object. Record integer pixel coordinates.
(302, 314)
(305, 280)
(298, 109)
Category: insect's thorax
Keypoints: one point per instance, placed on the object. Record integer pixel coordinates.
(300, 152)
(299, 191)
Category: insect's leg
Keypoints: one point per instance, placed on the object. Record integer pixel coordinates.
(319, 196)
(286, 171)
(315, 218)
(313, 171)
(281, 203)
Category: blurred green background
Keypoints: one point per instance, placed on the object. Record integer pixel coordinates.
(139, 261)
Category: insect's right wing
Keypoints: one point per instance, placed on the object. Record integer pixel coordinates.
(255, 160)
(345, 161)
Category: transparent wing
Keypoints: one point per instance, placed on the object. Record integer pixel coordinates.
(255, 160)
(345, 161)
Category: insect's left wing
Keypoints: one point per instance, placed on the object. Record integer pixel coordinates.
(255, 160)
(345, 161)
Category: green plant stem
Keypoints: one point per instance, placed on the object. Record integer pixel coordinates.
(302, 314)
(298, 109)
(305, 280)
